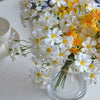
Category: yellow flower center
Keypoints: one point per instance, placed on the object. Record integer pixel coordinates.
(64, 41)
(46, 18)
(88, 46)
(60, 54)
(42, 37)
(48, 50)
(38, 74)
(41, 82)
(60, 14)
(36, 10)
(53, 36)
(91, 66)
(56, 0)
(37, 40)
(36, 63)
(69, 4)
(46, 28)
(47, 75)
(82, 62)
(54, 61)
(25, 4)
(92, 76)
(37, 48)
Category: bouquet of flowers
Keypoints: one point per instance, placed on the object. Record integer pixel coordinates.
(66, 35)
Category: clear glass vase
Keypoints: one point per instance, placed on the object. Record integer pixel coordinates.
(74, 89)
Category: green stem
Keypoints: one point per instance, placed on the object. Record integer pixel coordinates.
(25, 41)
(25, 47)
(26, 53)
(64, 82)
(64, 71)
(59, 80)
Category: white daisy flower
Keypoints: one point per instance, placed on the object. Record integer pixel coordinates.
(46, 49)
(93, 77)
(37, 36)
(89, 46)
(29, 5)
(36, 41)
(56, 61)
(36, 61)
(54, 36)
(33, 14)
(87, 32)
(91, 6)
(44, 25)
(58, 2)
(35, 50)
(67, 42)
(58, 56)
(48, 17)
(67, 22)
(63, 52)
(40, 75)
(82, 61)
(94, 66)
(38, 7)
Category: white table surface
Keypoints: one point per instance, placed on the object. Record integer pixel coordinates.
(15, 83)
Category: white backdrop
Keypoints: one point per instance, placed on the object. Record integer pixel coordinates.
(15, 83)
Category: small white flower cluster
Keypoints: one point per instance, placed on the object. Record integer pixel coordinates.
(70, 2)
(39, 75)
(88, 60)
(16, 46)
(31, 9)
(13, 46)
(60, 29)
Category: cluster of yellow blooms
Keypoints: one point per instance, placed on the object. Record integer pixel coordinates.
(89, 21)
(72, 7)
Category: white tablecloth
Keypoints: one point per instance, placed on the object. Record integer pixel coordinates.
(15, 83)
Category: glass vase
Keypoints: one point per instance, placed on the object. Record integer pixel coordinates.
(75, 87)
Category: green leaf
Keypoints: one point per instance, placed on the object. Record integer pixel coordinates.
(27, 18)
(97, 35)
(71, 56)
